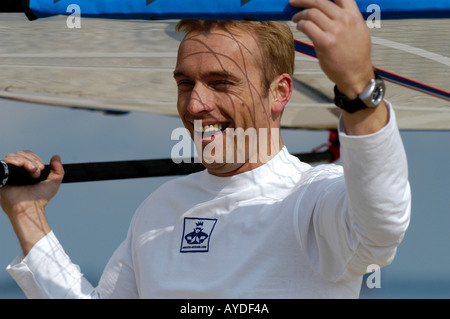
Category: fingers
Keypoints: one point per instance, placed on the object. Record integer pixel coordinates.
(323, 12)
(27, 159)
(323, 4)
(327, 7)
(316, 15)
(317, 19)
(314, 23)
(34, 164)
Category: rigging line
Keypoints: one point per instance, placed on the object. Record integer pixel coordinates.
(308, 49)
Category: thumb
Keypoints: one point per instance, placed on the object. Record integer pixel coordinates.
(56, 169)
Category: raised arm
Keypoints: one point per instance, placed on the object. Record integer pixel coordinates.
(361, 219)
(342, 42)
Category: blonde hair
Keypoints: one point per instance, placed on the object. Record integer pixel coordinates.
(274, 37)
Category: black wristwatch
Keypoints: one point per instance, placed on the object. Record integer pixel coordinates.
(372, 96)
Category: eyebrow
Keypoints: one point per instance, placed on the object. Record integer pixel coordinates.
(177, 74)
(220, 74)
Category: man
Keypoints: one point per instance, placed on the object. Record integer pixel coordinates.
(266, 226)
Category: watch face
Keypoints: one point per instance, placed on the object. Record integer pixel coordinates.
(377, 95)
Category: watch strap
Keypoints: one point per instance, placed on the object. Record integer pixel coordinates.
(343, 102)
(351, 106)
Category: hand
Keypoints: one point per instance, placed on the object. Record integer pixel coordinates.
(25, 205)
(14, 198)
(341, 39)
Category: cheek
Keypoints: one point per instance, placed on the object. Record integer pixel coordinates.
(182, 101)
(255, 102)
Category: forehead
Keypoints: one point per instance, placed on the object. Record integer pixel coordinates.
(233, 51)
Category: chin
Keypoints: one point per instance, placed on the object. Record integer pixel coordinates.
(223, 169)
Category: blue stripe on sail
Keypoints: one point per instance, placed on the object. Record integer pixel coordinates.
(228, 9)
(421, 87)
(171, 9)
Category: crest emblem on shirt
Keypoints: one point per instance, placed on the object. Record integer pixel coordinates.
(197, 234)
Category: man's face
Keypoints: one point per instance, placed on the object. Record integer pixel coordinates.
(220, 84)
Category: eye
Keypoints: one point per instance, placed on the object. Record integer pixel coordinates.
(221, 85)
(185, 85)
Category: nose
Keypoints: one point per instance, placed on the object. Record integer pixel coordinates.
(200, 99)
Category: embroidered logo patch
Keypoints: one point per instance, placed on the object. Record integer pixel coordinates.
(197, 234)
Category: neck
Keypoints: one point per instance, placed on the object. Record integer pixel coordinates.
(260, 158)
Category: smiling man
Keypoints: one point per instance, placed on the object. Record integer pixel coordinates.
(262, 226)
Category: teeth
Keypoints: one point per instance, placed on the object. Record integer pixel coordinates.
(209, 128)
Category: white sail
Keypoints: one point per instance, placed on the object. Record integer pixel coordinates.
(127, 65)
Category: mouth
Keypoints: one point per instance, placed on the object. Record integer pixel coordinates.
(208, 130)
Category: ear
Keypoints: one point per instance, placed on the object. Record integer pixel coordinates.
(281, 89)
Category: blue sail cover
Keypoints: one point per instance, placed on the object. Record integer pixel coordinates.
(226, 9)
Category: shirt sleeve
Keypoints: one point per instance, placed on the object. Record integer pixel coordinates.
(359, 218)
(47, 272)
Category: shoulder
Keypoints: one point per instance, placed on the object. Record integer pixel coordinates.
(324, 172)
(321, 180)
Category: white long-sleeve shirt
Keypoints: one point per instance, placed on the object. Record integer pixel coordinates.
(282, 230)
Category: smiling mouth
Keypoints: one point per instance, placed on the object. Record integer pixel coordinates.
(211, 127)
(209, 130)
